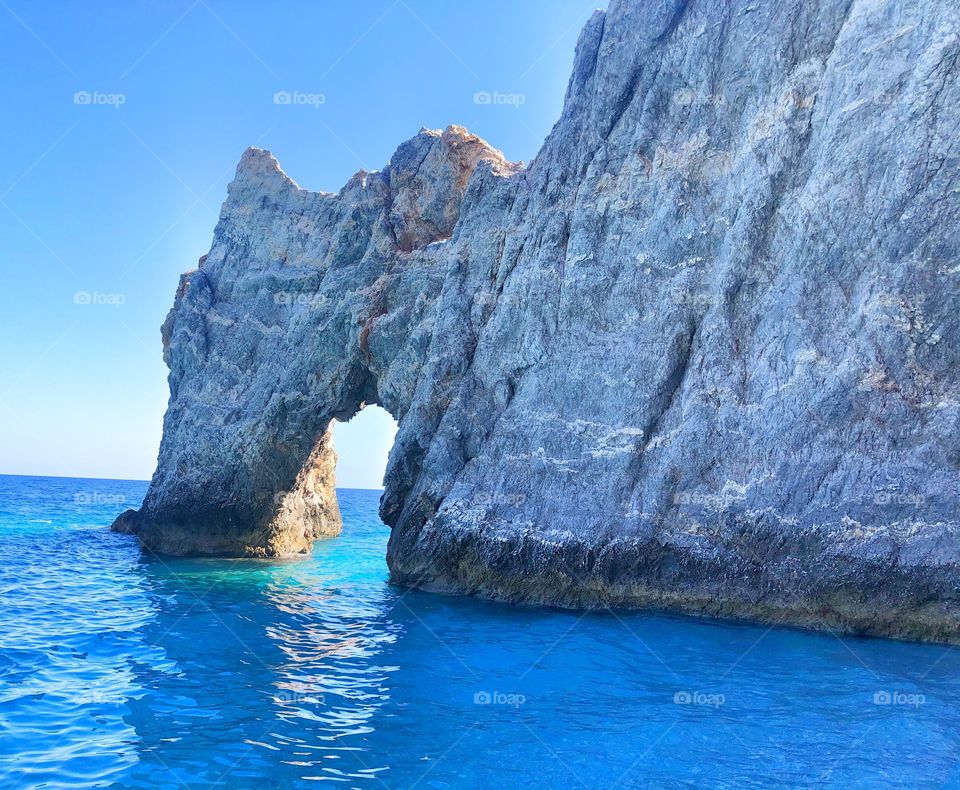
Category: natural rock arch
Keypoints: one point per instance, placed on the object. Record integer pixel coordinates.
(702, 354)
(301, 313)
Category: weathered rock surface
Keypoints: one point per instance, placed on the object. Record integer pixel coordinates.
(702, 354)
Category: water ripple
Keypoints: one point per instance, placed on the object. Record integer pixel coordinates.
(125, 671)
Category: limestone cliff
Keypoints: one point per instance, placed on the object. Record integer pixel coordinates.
(702, 354)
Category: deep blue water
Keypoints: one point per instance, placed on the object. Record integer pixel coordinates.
(127, 671)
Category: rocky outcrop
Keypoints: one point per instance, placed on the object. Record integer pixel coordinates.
(702, 354)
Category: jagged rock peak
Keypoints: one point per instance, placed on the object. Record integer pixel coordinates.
(259, 168)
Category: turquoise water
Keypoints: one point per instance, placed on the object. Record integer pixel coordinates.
(126, 671)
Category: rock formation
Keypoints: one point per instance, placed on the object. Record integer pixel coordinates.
(703, 354)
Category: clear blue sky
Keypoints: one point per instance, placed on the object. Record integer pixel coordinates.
(115, 196)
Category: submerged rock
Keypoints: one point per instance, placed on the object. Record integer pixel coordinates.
(702, 354)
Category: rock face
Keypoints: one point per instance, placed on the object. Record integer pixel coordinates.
(703, 354)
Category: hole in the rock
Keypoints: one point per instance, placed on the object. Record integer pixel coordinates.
(362, 446)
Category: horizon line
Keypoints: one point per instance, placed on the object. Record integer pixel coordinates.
(139, 480)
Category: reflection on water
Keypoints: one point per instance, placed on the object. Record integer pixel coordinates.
(127, 671)
(277, 671)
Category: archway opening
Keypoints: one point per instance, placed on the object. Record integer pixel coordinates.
(363, 445)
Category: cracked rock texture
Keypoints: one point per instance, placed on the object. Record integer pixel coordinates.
(703, 354)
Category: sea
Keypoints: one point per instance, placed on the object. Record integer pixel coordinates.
(120, 669)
